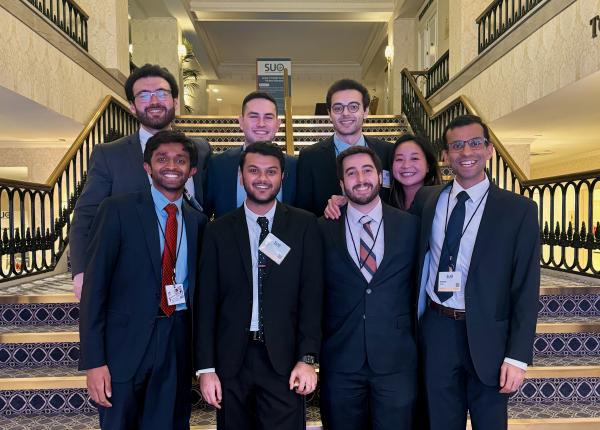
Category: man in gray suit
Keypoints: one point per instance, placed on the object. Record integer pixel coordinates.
(118, 167)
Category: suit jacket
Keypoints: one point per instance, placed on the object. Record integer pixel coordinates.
(317, 177)
(502, 287)
(373, 321)
(116, 168)
(122, 281)
(292, 293)
(220, 192)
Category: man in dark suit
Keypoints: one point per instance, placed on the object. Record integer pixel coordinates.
(117, 168)
(479, 285)
(348, 104)
(258, 307)
(135, 324)
(259, 122)
(369, 354)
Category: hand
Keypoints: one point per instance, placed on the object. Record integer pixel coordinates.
(332, 211)
(98, 385)
(78, 285)
(210, 387)
(511, 378)
(303, 378)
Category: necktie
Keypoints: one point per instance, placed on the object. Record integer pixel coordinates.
(263, 222)
(169, 257)
(451, 243)
(368, 259)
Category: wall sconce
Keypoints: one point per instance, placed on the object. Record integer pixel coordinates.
(388, 53)
(181, 51)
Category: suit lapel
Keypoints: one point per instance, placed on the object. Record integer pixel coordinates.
(230, 182)
(486, 230)
(279, 228)
(340, 240)
(136, 157)
(191, 232)
(427, 216)
(147, 215)
(329, 156)
(243, 241)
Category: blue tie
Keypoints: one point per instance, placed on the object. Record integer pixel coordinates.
(451, 243)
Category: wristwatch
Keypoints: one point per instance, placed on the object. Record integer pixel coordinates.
(309, 359)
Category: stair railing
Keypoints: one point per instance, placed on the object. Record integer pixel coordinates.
(67, 15)
(35, 217)
(568, 217)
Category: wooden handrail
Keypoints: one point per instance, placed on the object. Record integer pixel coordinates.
(289, 122)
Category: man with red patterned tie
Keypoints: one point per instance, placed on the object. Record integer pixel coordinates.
(135, 324)
(369, 355)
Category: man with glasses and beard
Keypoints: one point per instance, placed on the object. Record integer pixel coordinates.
(258, 308)
(369, 355)
(118, 167)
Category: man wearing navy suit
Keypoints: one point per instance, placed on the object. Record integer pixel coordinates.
(259, 123)
(117, 168)
(369, 354)
(479, 285)
(135, 324)
(348, 105)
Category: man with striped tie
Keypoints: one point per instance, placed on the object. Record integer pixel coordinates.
(368, 355)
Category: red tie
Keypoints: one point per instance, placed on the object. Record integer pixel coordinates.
(169, 257)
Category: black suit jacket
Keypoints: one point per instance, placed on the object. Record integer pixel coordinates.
(117, 168)
(373, 321)
(121, 293)
(220, 191)
(317, 177)
(502, 287)
(292, 293)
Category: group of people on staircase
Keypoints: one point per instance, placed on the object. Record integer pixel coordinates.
(416, 301)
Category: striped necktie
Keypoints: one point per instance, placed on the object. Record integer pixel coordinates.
(368, 259)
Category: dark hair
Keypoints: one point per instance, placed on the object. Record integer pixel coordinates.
(258, 95)
(348, 84)
(169, 136)
(432, 177)
(461, 121)
(146, 71)
(264, 148)
(353, 150)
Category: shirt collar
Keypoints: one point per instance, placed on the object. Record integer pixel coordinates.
(251, 216)
(161, 201)
(144, 136)
(341, 145)
(475, 193)
(354, 215)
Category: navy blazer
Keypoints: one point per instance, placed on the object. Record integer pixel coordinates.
(317, 178)
(373, 321)
(502, 288)
(222, 178)
(117, 168)
(121, 291)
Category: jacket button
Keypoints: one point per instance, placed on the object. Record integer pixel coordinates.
(369, 291)
(364, 317)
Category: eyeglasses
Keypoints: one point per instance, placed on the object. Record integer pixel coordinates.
(145, 96)
(475, 144)
(338, 108)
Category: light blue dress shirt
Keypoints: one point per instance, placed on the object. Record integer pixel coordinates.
(340, 145)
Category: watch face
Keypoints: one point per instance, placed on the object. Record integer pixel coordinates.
(308, 359)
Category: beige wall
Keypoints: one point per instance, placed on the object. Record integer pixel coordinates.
(402, 35)
(40, 161)
(463, 32)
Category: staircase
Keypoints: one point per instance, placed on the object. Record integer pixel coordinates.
(41, 388)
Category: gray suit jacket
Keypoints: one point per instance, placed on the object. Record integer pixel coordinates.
(117, 168)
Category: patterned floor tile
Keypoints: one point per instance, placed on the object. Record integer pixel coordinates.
(57, 284)
(39, 328)
(32, 372)
(566, 360)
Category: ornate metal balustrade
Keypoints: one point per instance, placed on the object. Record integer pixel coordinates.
(66, 15)
(568, 216)
(35, 218)
(437, 75)
(499, 17)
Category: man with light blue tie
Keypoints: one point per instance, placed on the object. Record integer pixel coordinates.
(259, 122)
(479, 285)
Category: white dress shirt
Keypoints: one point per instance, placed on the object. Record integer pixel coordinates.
(354, 228)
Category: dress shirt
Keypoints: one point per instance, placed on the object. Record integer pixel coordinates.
(341, 146)
(354, 228)
(181, 265)
(473, 214)
(241, 192)
(144, 136)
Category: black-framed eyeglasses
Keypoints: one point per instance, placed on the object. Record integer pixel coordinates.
(475, 144)
(161, 94)
(338, 108)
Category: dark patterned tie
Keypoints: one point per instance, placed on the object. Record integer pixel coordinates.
(263, 222)
(169, 257)
(368, 259)
(451, 243)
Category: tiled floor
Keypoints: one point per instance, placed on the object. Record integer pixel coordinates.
(57, 284)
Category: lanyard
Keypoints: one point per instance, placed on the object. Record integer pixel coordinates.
(168, 248)
(361, 263)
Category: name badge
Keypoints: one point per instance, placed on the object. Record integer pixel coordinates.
(274, 248)
(449, 282)
(175, 294)
(387, 179)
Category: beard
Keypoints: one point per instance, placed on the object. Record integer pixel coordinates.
(365, 199)
(261, 200)
(156, 123)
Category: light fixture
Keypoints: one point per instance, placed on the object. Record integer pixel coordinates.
(219, 99)
(215, 90)
(131, 48)
(181, 51)
(389, 52)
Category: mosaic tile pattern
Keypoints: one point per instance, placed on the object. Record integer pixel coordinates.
(569, 319)
(531, 410)
(54, 422)
(566, 360)
(46, 402)
(558, 390)
(39, 314)
(38, 354)
(31, 372)
(571, 344)
(572, 305)
(56, 284)
(39, 328)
